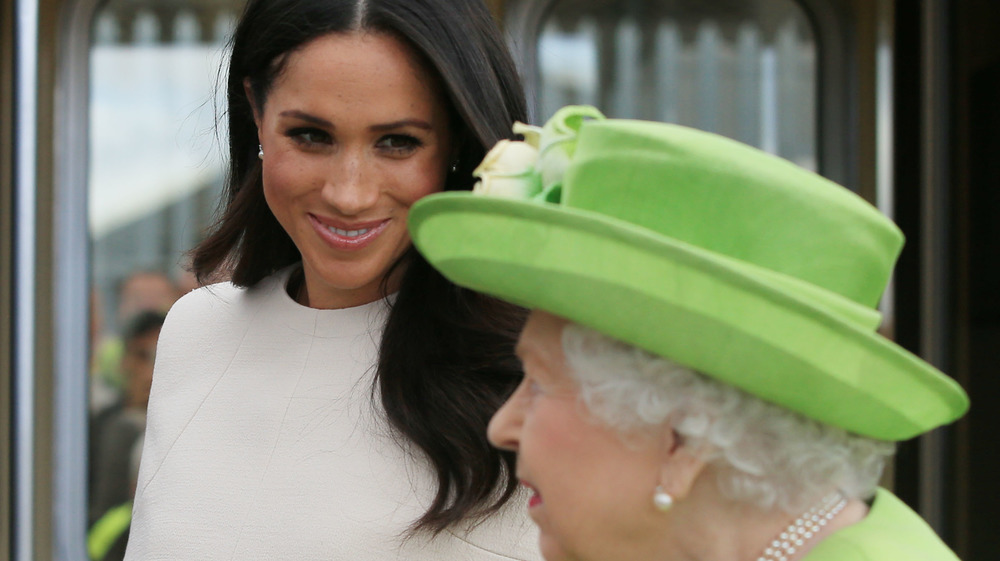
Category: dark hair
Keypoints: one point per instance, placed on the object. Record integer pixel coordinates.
(142, 323)
(446, 360)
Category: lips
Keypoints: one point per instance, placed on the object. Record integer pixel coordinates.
(536, 497)
(345, 236)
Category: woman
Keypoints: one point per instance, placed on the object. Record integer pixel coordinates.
(318, 406)
(703, 379)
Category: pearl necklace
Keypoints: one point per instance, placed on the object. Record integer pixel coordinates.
(804, 528)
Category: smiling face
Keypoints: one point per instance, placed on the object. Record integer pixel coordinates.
(592, 492)
(354, 131)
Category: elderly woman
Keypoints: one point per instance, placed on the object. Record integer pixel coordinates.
(703, 380)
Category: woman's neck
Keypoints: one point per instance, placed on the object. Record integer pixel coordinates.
(806, 530)
(710, 527)
(310, 291)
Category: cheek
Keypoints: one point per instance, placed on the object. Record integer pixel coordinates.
(592, 473)
(420, 177)
(421, 182)
(555, 452)
(283, 182)
(273, 184)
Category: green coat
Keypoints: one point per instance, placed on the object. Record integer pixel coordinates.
(890, 532)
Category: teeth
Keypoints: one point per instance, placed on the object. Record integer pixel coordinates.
(349, 233)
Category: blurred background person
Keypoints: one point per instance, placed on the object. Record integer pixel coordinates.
(139, 291)
(117, 431)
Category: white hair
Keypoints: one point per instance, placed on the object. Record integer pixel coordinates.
(360, 13)
(764, 454)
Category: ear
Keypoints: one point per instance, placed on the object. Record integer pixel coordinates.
(248, 91)
(682, 465)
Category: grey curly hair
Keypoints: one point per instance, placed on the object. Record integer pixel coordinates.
(764, 454)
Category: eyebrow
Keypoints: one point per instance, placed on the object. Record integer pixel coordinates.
(306, 117)
(519, 350)
(526, 349)
(418, 123)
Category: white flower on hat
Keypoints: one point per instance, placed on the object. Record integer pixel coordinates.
(508, 170)
(534, 167)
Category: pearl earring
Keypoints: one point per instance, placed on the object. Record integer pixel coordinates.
(662, 500)
(260, 151)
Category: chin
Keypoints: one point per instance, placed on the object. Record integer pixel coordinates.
(553, 550)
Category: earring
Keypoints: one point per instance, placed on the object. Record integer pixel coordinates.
(260, 151)
(454, 166)
(662, 500)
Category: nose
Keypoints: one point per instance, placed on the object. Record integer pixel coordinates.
(352, 184)
(504, 430)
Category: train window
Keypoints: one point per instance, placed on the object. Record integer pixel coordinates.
(154, 177)
(744, 69)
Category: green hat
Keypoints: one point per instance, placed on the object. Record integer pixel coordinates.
(698, 248)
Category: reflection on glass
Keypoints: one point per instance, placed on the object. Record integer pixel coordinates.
(155, 174)
(744, 69)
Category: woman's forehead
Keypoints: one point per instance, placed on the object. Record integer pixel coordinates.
(364, 68)
(541, 340)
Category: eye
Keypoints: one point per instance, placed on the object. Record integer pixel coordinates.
(308, 136)
(534, 388)
(530, 386)
(398, 144)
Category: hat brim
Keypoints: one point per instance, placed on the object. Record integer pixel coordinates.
(699, 309)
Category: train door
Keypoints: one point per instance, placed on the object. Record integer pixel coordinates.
(895, 100)
(947, 201)
(115, 174)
